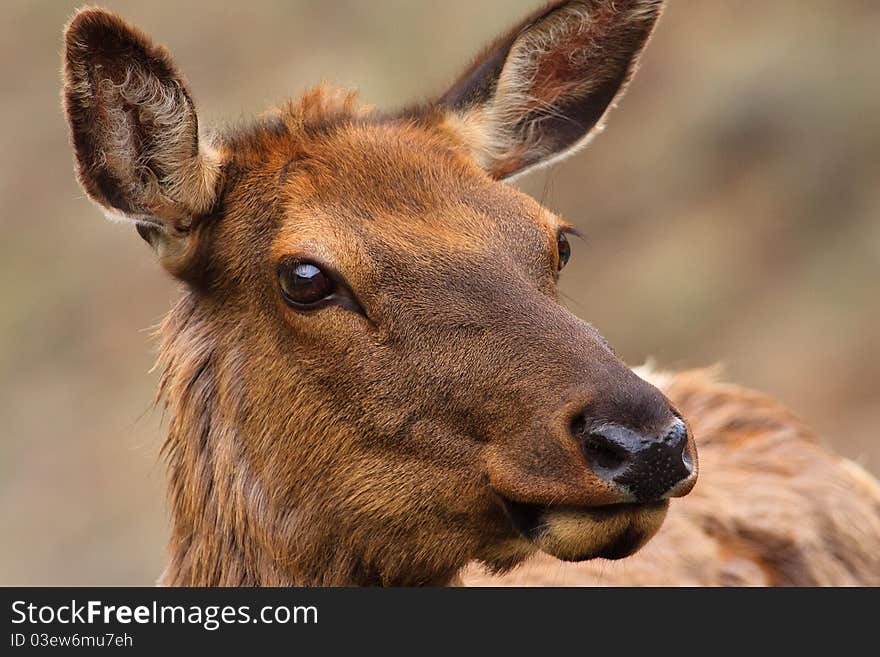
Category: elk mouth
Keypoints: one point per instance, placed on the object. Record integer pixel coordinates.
(574, 533)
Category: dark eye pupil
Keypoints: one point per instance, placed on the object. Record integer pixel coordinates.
(304, 283)
(564, 250)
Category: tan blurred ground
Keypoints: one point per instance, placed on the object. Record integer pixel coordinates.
(732, 213)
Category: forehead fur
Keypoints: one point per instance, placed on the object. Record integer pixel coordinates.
(327, 160)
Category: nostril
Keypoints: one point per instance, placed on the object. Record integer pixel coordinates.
(579, 425)
(604, 454)
(687, 461)
(676, 441)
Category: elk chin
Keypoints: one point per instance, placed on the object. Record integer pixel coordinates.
(574, 533)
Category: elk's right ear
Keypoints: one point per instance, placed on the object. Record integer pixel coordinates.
(135, 132)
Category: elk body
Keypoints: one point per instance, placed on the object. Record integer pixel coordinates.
(369, 378)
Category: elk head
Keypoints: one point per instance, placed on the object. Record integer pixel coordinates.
(370, 377)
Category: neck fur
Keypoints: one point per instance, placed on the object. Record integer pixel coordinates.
(210, 491)
(225, 528)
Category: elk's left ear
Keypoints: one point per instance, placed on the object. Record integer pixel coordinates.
(135, 132)
(542, 90)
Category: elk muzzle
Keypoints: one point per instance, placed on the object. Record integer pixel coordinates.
(628, 452)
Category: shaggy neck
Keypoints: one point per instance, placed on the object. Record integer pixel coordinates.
(225, 529)
(210, 491)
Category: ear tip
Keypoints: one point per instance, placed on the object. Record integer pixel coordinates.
(94, 30)
(89, 22)
(97, 36)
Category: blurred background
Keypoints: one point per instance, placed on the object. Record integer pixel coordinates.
(731, 212)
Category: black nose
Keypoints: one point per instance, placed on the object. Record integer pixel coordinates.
(647, 467)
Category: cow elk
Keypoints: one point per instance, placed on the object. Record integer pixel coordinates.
(369, 378)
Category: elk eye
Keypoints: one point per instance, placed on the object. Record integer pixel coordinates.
(564, 249)
(303, 284)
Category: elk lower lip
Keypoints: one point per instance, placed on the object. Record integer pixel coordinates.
(527, 519)
(622, 546)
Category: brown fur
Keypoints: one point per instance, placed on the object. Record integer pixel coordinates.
(380, 438)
